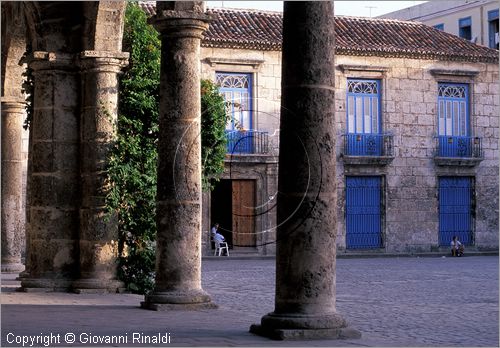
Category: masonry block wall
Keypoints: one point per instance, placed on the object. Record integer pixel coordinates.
(409, 109)
(265, 69)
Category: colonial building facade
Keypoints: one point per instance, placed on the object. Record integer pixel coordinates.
(416, 125)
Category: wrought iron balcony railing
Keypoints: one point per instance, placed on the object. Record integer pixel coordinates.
(459, 147)
(368, 145)
(247, 142)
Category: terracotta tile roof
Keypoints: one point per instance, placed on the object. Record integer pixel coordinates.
(396, 38)
(251, 29)
(262, 30)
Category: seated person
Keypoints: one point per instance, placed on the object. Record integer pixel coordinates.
(213, 231)
(457, 249)
(219, 238)
(220, 241)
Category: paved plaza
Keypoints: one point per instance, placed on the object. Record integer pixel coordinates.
(407, 301)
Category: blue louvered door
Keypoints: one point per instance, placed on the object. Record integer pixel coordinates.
(455, 210)
(363, 212)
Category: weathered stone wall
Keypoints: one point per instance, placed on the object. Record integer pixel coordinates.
(409, 111)
(265, 67)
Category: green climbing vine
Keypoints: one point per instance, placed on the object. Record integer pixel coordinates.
(28, 89)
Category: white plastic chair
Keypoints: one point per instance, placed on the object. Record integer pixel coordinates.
(221, 246)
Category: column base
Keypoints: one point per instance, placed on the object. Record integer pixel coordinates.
(97, 286)
(12, 267)
(304, 327)
(45, 285)
(186, 300)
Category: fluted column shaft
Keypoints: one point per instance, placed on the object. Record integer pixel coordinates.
(98, 231)
(178, 255)
(13, 114)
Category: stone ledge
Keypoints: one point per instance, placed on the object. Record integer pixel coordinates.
(250, 158)
(457, 161)
(351, 67)
(456, 72)
(367, 160)
(305, 334)
(12, 267)
(177, 306)
(214, 61)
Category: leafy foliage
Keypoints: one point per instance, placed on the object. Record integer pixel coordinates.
(132, 171)
(132, 165)
(213, 134)
(28, 89)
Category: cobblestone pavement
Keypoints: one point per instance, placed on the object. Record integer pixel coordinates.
(394, 302)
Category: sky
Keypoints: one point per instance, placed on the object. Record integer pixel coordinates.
(345, 8)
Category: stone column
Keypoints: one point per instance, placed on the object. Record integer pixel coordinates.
(306, 250)
(53, 161)
(98, 231)
(13, 114)
(178, 254)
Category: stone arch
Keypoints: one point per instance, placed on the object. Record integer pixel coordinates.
(103, 25)
(13, 49)
(74, 51)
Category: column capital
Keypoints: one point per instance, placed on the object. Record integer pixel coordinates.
(172, 23)
(43, 60)
(103, 61)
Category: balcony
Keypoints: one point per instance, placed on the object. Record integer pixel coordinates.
(375, 149)
(458, 151)
(247, 142)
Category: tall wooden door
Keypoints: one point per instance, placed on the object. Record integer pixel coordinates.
(243, 197)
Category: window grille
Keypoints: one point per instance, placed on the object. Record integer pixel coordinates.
(233, 80)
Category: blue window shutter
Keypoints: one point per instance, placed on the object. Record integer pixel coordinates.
(493, 29)
(465, 28)
(492, 15)
(465, 22)
(454, 133)
(363, 114)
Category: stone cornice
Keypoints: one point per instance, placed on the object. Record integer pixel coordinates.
(453, 72)
(214, 61)
(104, 54)
(103, 61)
(350, 67)
(43, 60)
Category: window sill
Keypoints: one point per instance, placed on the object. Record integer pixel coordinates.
(367, 160)
(457, 161)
